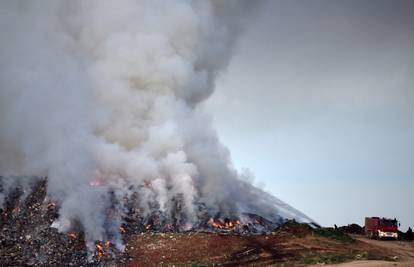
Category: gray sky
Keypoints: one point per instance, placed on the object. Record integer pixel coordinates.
(318, 102)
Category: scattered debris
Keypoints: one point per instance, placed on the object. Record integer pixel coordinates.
(27, 238)
(395, 258)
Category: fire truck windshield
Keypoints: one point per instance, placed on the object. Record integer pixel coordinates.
(388, 223)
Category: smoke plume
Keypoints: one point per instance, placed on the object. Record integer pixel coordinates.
(101, 97)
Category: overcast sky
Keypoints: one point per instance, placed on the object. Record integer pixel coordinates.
(318, 102)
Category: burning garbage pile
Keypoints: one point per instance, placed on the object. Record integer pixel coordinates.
(28, 237)
(249, 224)
(107, 108)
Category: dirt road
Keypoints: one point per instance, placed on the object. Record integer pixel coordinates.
(374, 264)
(403, 250)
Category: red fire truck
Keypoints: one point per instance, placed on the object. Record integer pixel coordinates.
(376, 227)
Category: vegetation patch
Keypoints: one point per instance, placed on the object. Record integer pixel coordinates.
(335, 234)
(295, 228)
(334, 258)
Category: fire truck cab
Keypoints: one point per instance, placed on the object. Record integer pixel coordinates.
(376, 227)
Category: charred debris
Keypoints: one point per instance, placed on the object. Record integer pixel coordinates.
(28, 238)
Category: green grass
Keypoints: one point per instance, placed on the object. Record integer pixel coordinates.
(334, 258)
(340, 258)
(335, 234)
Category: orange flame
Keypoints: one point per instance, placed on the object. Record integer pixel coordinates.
(99, 250)
(72, 235)
(226, 225)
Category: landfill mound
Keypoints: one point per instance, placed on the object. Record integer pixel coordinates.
(27, 238)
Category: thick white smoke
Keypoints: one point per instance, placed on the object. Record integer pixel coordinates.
(101, 96)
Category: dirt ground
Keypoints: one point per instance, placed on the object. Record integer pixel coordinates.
(402, 249)
(291, 247)
(372, 263)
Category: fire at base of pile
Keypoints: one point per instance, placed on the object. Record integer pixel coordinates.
(28, 237)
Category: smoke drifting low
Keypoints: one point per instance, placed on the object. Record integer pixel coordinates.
(101, 97)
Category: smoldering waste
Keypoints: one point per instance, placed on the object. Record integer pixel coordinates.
(28, 237)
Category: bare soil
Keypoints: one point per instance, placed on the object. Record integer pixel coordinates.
(281, 248)
(372, 263)
(403, 251)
